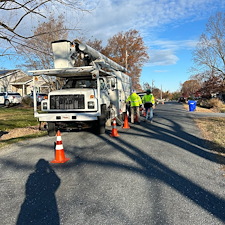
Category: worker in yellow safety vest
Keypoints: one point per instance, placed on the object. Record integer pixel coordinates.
(135, 103)
(149, 103)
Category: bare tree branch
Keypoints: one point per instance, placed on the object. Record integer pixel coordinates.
(210, 52)
(9, 29)
(29, 12)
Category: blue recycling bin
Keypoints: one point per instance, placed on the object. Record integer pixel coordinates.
(192, 105)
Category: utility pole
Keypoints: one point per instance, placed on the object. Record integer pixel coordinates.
(161, 92)
(152, 85)
(126, 56)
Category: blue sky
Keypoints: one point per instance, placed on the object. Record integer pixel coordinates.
(170, 29)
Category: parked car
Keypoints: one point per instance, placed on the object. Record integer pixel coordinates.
(10, 98)
(40, 97)
(182, 99)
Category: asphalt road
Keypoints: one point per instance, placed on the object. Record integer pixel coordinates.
(153, 174)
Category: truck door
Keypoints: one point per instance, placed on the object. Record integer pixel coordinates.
(104, 92)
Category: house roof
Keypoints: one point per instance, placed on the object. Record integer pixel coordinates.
(4, 73)
(23, 80)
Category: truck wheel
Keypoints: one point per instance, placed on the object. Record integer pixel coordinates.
(7, 103)
(51, 129)
(101, 121)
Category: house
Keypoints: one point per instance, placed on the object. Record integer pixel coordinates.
(22, 85)
(19, 81)
(8, 76)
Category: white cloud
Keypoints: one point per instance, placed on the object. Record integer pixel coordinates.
(164, 52)
(108, 17)
(174, 45)
(162, 58)
(111, 16)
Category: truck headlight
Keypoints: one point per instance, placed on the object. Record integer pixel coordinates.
(44, 106)
(91, 105)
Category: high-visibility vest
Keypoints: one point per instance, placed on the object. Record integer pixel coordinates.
(148, 99)
(134, 100)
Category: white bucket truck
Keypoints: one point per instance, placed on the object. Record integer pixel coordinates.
(92, 94)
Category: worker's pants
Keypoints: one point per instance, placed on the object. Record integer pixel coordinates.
(149, 113)
(135, 110)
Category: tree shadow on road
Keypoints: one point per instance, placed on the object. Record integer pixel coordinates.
(138, 161)
(172, 133)
(188, 142)
(40, 206)
(154, 170)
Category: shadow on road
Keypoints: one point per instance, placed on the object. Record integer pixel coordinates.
(40, 202)
(148, 167)
(40, 206)
(154, 170)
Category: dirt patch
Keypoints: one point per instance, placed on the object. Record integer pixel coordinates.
(19, 132)
(213, 131)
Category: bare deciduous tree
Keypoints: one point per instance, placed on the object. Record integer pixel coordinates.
(210, 52)
(17, 14)
(37, 51)
(146, 86)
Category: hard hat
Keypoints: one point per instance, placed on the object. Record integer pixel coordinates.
(148, 91)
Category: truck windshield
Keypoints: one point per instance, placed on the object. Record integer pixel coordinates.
(87, 83)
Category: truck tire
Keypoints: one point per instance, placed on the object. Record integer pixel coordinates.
(51, 129)
(101, 121)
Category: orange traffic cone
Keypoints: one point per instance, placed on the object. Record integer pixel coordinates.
(144, 112)
(126, 124)
(59, 151)
(114, 130)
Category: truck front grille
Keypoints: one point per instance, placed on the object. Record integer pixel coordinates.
(67, 102)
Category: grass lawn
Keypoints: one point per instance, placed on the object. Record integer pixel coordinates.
(16, 124)
(11, 118)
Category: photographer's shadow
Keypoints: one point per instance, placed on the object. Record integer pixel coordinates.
(40, 206)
